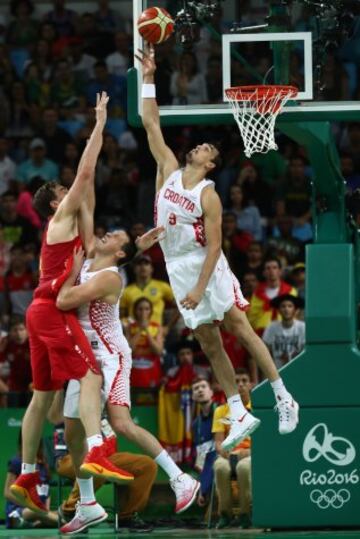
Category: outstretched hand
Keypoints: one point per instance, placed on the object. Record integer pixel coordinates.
(101, 107)
(149, 239)
(78, 260)
(147, 59)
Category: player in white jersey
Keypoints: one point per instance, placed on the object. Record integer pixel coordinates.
(97, 299)
(205, 289)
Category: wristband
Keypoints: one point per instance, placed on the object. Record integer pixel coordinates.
(148, 91)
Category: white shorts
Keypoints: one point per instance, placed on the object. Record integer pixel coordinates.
(116, 371)
(222, 292)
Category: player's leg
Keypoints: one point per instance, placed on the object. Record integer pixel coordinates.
(242, 422)
(184, 486)
(88, 511)
(237, 323)
(24, 488)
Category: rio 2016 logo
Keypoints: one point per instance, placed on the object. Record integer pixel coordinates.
(320, 443)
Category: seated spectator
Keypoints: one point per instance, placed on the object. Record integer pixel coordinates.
(37, 164)
(297, 278)
(147, 344)
(65, 87)
(21, 517)
(114, 85)
(351, 176)
(24, 205)
(22, 31)
(107, 19)
(16, 360)
(63, 20)
(235, 465)
(256, 191)
(54, 137)
(82, 63)
(19, 283)
(19, 121)
(37, 89)
(118, 61)
(7, 167)
(235, 242)
(15, 229)
(203, 442)
(42, 59)
(248, 216)
(249, 281)
(283, 241)
(261, 313)
(158, 292)
(254, 262)
(187, 84)
(155, 252)
(142, 467)
(286, 338)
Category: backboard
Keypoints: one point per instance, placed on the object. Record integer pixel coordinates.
(227, 54)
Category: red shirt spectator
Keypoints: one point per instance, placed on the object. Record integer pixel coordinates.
(17, 356)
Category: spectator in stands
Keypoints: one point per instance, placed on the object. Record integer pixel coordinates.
(214, 79)
(16, 229)
(19, 282)
(37, 164)
(55, 137)
(158, 292)
(22, 31)
(249, 282)
(114, 85)
(235, 242)
(203, 443)
(254, 260)
(65, 87)
(260, 312)
(155, 253)
(64, 20)
(188, 85)
(118, 61)
(286, 338)
(351, 176)
(16, 359)
(297, 278)
(37, 90)
(42, 59)
(248, 217)
(256, 191)
(82, 63)
(7, 167)
(20, 122)
(283, 242)
(146, 341)
(235, 465)
(72, 156)
(296, 191)
(20, 517)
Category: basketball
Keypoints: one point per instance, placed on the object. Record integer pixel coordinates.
(155, 25)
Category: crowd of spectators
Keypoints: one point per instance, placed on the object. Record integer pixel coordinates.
(51, 66)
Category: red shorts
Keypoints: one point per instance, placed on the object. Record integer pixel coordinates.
(58, 346)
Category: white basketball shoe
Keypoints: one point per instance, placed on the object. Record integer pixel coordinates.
(185, 488)
(240, 429)
(86, 515)
(288, 411)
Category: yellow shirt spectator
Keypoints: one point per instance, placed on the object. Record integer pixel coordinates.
(158, 292)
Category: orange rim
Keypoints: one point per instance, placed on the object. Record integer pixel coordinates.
(257, 93)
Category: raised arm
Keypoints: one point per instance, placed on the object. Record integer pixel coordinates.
(86, 170)
(162, 154)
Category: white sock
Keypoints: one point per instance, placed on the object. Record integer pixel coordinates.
(86, 487)
(237, 408)
(94, 441)
(28, 468)
(280, 391)
(168, 465)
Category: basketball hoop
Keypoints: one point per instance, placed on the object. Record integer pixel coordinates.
(255, 110)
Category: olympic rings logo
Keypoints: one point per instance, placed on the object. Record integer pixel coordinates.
(330, 498)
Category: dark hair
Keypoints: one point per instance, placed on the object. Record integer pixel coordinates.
(217, 160)
(140, 300)
(273, 259)
(43, 197)
(242, 370)
(15, 4)
(201, 379)
(129, 249)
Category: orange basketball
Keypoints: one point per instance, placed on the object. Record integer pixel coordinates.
(155, 25)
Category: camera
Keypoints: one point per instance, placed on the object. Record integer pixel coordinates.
(188, 20)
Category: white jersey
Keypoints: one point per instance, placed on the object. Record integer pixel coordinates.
(284, 343)
(179, 211)
(101, 321)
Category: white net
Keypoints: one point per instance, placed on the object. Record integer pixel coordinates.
(255, 109)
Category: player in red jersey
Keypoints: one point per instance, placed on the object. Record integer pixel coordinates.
(58, 346)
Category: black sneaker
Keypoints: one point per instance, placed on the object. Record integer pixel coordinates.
(134, 524)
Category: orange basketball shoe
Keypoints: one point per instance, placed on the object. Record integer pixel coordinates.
(97, 464)
(24, 490)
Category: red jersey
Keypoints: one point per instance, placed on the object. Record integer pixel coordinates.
(55, 265)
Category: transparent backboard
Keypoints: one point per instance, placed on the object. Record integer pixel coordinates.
(191, 79)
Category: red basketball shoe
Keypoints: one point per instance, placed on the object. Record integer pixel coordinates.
(24, 490)
(96, 464)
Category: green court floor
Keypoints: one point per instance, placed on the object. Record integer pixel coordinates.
(177, 533)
